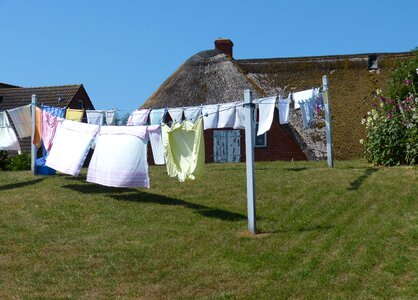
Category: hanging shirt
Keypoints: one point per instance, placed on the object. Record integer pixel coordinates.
(155, 136)
(266, 108)
(192, 113)
(307, 113)
(55, 111)
(184, 149)
(95, 117)
(22, 119)
(176, 114)
(110, 116)
(8, 138)
(37, 138)
(71, 144)
(74, 114)
(49, 127)
(157, 116)
(284, 110)
(139, 117)
(239, 116)
(120, 157)
(226, 117)
(210, 116)
(301, 96)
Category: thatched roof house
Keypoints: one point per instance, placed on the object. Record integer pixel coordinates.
(214, 76)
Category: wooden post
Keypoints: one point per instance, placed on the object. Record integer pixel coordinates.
(249, 154)
(330, 158)
(32, 146)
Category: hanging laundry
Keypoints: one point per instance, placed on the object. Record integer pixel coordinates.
(37, 138)
(110, 116)
(184, 149)
(120, 157)
(226, 115)
(301, 96)
(95, 117)
(55, 111)
(8, 138)
(49, 127)
(239, 116)
(266, 108)
(284, 110)
(155, 136)
(22, 120)
(210, 116)
(157, 116)
(307, 113)
(176, 114)
(192, 113)
(71, 144)
(139, 117)
(74, 114)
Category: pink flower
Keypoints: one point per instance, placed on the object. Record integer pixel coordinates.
(408, 81)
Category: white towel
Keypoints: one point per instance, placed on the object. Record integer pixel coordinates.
(71, 144)
(95, 117)
(266, 108)
(157, 116)
(21, 117)
(210, 116)
(226, 117)
(120, 157)
(8, 138)
(154, 132)
(284, 110)
(302, 96)
(192, 113)
(176, 114)
(110, 117)
(239, 116)
(138, 117)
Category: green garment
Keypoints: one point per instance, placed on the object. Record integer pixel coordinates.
(184, 149)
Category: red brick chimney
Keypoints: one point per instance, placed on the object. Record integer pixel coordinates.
(225, 46)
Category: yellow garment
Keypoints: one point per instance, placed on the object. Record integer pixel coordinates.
(37, 138)
(74, 114)
(184, 149)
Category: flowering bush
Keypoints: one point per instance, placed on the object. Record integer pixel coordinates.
(392, 126)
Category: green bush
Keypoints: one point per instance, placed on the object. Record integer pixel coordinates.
(19, 162)
(391, 128)
(4, 160)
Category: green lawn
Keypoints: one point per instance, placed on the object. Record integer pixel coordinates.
(348, 232)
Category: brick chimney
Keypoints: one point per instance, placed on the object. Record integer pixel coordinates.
(225, 46)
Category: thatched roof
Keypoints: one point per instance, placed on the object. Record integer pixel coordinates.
(205, 78)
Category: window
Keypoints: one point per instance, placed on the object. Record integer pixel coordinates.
(260, 140)
(1, 99)
(373, 63)
(80, 104)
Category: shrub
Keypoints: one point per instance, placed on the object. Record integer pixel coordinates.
(4, 160)
(20, 162)
(391, 128)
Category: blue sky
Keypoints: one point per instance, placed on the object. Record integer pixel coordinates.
(123, 50)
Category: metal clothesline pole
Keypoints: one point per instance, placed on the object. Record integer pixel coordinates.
(330, 158)
(32, 145)
(249, 156)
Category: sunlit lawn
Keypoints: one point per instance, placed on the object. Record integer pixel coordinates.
(348, 232)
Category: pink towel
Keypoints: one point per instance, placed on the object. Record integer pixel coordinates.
(49, 126)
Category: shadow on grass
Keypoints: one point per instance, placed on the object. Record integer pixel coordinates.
(355, 184)
(90, 188)
(297, 169)
(133, 195)
(203, 210)
(303, 229)
(20, 184)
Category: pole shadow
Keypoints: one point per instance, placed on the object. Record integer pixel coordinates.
(20, 184)
(356, 184)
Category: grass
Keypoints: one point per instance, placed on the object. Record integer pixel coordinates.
(349, 232)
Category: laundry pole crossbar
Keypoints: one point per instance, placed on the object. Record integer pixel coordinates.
(249, 156)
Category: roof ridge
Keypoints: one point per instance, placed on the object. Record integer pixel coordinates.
(43, 87)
